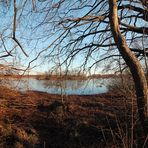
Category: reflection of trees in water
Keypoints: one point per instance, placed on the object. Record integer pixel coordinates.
(21, 84)
(57, 86)
(67, 84)
(7, 82)
(94, 83)
(75, 84)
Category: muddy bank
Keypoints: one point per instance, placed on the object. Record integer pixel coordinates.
(37, 119)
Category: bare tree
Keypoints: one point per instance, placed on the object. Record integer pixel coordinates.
(132, 62)
(91, 31)
(95, 29)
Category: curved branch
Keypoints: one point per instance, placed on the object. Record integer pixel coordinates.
(142, 30)
(14, 29)
(140, 51)
(144, 12)
(133, 64)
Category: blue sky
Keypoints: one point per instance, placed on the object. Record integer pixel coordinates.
(36, 32)
(32, 40)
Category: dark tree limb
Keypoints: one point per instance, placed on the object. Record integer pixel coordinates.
(133, 64)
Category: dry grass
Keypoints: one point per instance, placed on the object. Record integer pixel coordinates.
(36, 119)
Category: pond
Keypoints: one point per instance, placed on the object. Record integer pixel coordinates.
(80, 87)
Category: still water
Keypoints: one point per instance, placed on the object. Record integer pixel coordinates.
(80, 87)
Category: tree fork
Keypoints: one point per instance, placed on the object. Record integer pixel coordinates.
(133, 64)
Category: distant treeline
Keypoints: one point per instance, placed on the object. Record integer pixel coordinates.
(62, 76)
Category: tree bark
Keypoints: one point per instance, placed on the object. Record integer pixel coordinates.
(133, 64)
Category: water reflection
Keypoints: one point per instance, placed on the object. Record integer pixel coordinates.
(92, 86)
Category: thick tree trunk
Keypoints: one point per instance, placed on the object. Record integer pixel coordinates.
(133, 63)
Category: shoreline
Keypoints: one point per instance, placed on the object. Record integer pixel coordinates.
(63, 77)
(37, 118)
